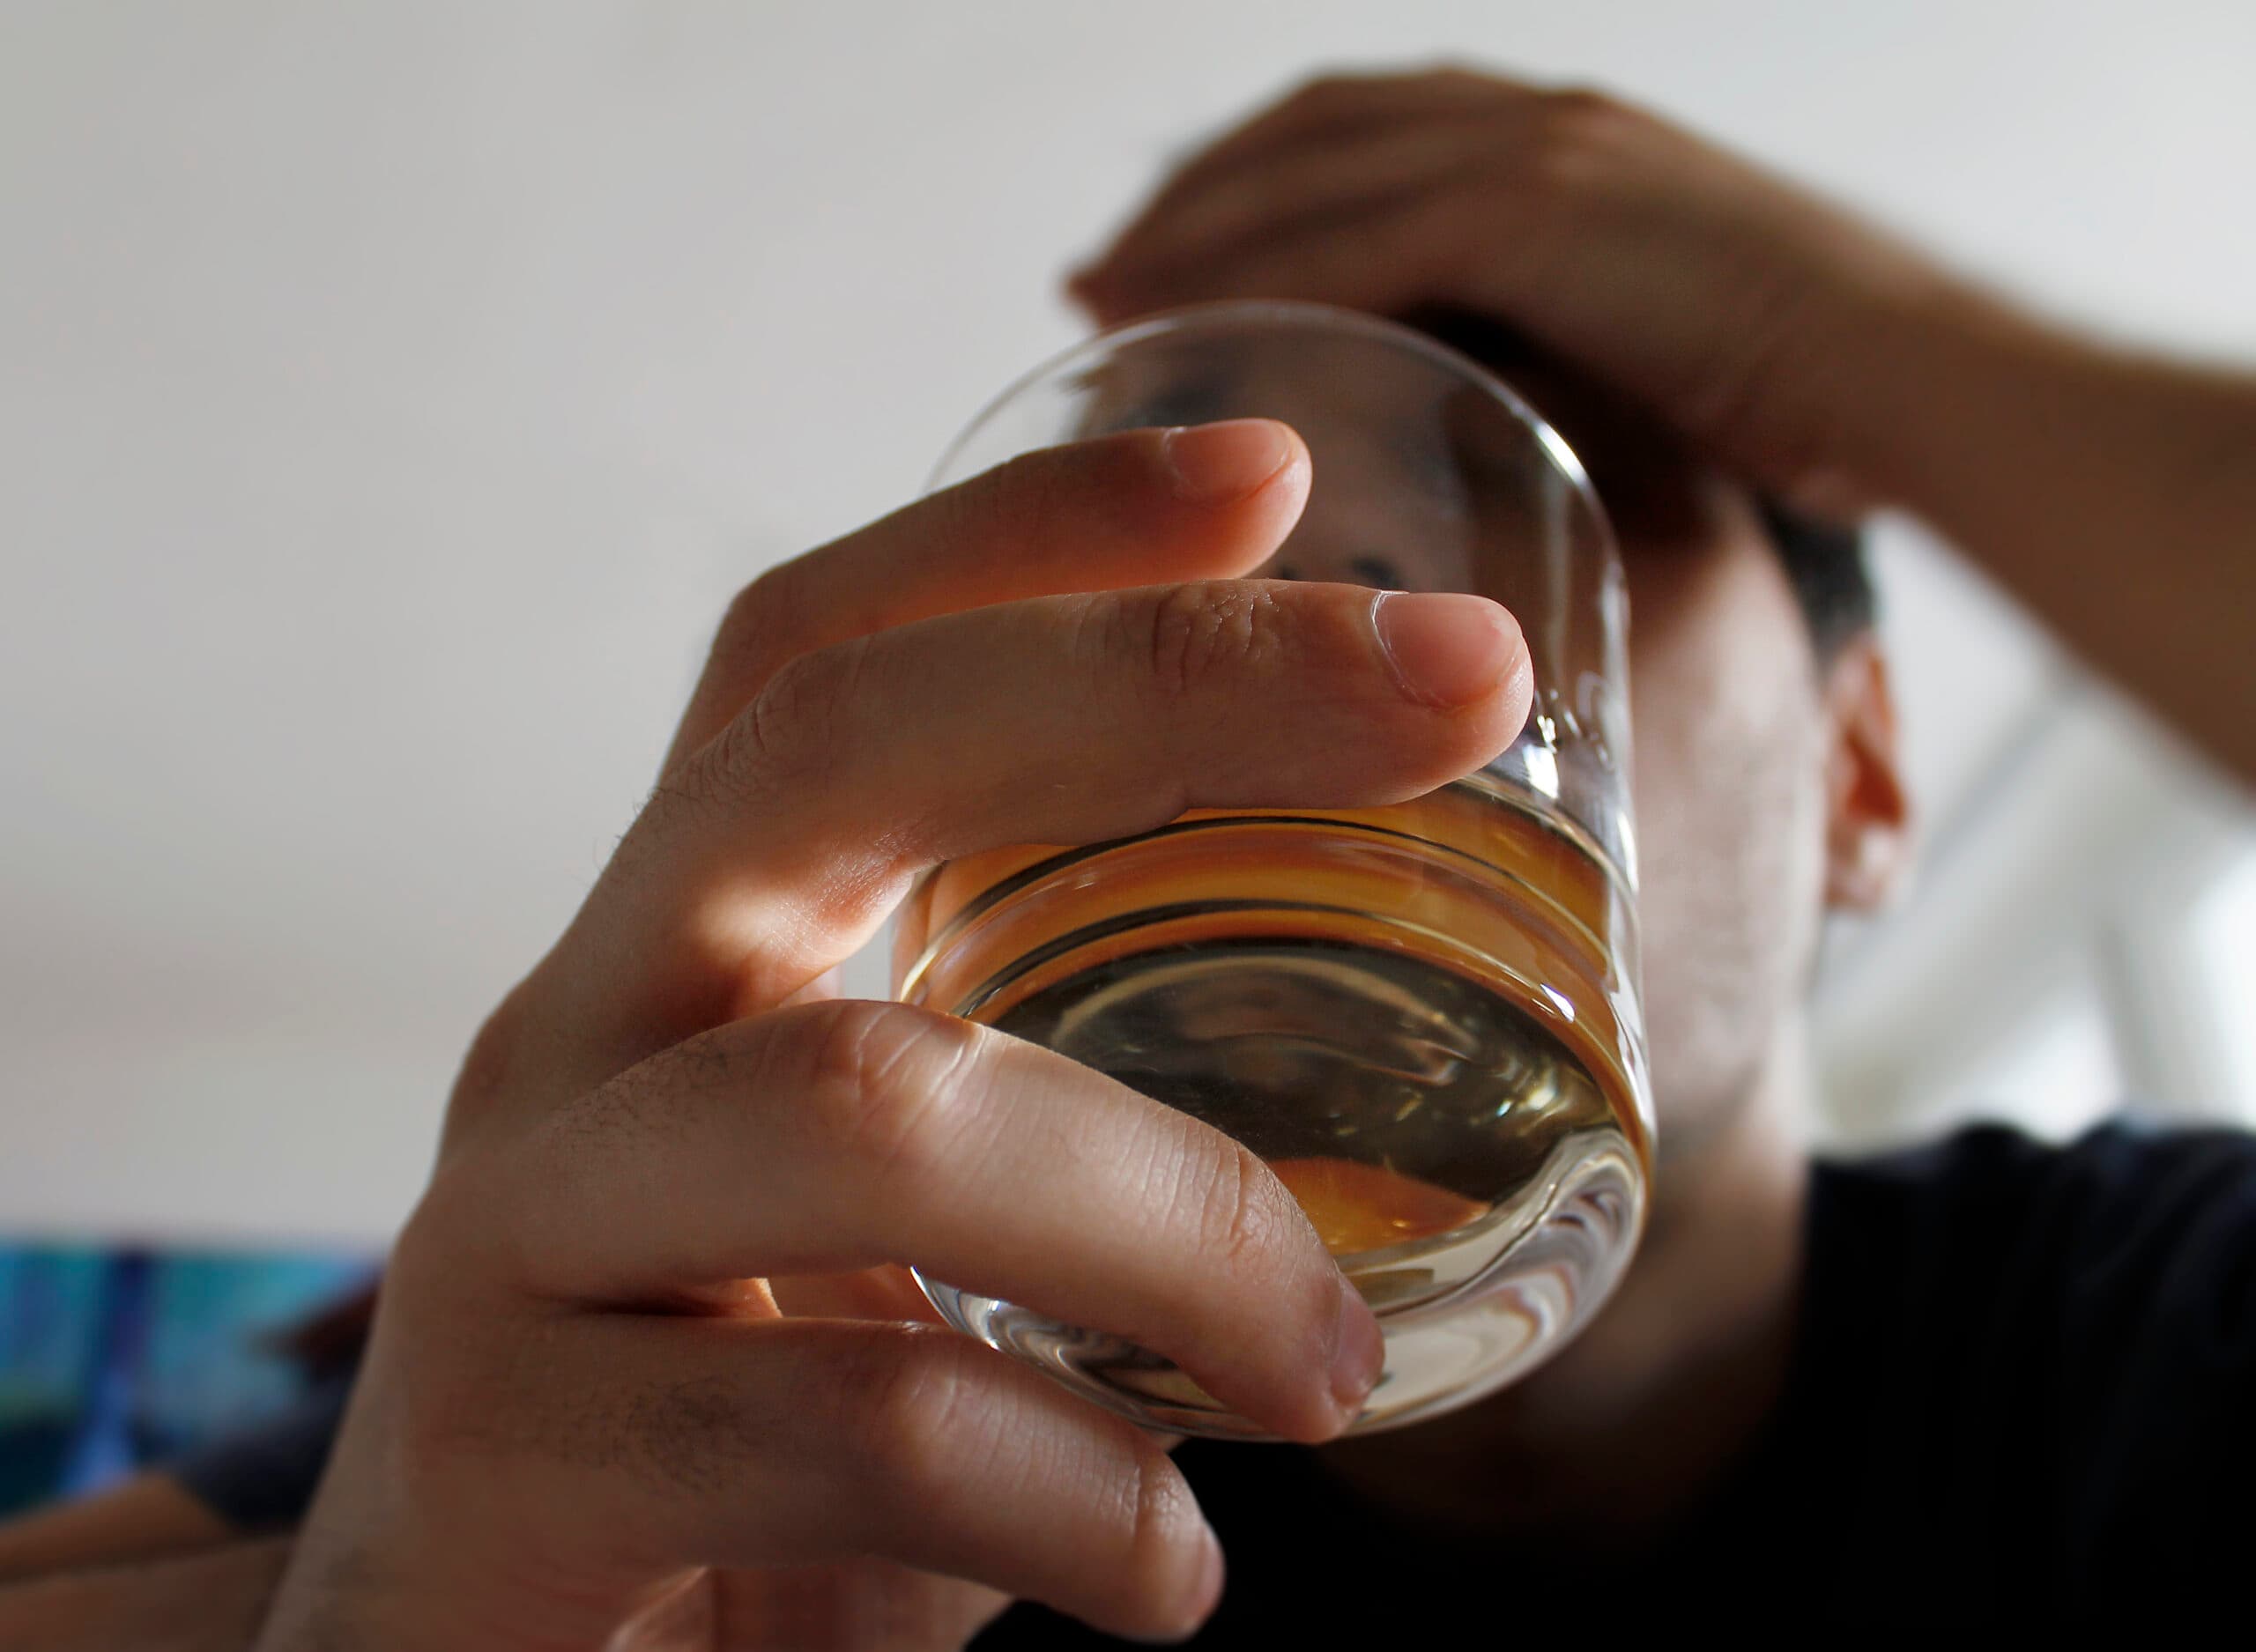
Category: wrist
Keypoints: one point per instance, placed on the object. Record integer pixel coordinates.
(1914, 375)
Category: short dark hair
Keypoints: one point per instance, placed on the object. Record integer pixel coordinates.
(1826, 562)
(1830, 570)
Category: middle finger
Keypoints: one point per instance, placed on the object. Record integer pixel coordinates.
(844, 1136)
(780, 847)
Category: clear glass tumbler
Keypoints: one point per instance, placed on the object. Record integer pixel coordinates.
(1424, 1018)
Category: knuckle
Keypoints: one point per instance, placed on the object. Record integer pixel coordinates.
(789, 734)
(493, 1057)
(889, 1085)
(1562, 157)
(1578, 124)
(1579, 103)
(1333, 93)
(1450, 72)
(908, 1415)
(1162, 1521)
(1193, 637)
(1239, 1219)
(758, 617)
(466, 1240)
(427, 1246)
(1325, 91)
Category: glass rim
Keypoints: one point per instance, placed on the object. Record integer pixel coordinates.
(1333, 319)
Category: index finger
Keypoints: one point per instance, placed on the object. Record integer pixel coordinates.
(1139, 507)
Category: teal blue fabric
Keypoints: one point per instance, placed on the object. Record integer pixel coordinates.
(113, 1357)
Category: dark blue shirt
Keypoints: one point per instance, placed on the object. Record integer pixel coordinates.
(2022, 1390)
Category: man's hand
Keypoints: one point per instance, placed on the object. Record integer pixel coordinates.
(2110, 491)
(643, 1371)
(1710, 290)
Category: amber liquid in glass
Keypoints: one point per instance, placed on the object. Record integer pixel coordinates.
(1418, 1016)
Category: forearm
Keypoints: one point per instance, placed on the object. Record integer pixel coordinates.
(2114, 494)
(211, 1602)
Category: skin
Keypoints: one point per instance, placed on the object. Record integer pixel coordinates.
(1795, 346)
(1734, 748)
(612, 1398)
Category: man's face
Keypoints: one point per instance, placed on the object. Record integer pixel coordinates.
(1730, 787)
(1730, 735)
(1733, 741)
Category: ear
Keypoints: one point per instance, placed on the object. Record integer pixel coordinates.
(1869, 824)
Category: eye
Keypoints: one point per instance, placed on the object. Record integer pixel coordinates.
(1171, 410)
(1193, 402)
(1376, 571)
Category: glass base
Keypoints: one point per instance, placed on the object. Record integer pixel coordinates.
(1576, 1225)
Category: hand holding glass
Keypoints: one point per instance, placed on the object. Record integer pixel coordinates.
(1423, 1018)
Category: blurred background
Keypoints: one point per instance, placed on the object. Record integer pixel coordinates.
(391, 395)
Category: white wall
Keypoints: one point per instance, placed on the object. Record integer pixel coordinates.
(390, 395)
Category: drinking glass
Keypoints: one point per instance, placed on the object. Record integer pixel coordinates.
(1423, 1018)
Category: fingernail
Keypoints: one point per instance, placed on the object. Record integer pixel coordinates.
(1359, 1355)
(1444, 648)
(1216, 465)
